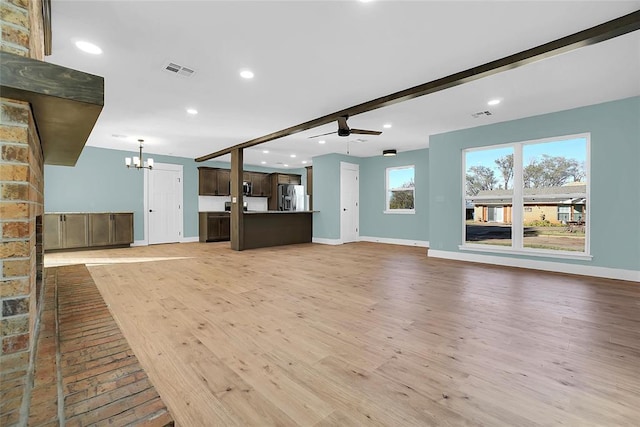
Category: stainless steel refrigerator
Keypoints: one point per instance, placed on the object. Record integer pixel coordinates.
(290, 197)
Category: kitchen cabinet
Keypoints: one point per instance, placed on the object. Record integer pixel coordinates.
(213, 181)
(266, 185)
(260, 184)
(224, 182)
(207, 181)
(108, 229)
(87, 230)
(214, 226)
(217, 182)
(282, 178)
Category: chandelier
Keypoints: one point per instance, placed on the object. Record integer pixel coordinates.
(138, 162)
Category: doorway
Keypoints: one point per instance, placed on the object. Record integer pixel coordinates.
(163, 215)
(349, 202)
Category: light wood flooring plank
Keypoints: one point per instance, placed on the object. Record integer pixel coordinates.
(370, 334)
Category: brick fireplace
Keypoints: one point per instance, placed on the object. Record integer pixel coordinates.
(21, 210)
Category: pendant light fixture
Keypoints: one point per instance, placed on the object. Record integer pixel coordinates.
(138, 162)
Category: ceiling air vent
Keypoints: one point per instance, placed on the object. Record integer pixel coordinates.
(178, 69)
(481, 113)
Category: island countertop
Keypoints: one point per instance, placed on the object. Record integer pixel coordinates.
(277, 212)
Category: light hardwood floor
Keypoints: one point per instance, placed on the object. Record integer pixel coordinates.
(371, 334)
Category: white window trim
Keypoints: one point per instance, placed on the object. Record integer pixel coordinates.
(387, 190)
(517, 247)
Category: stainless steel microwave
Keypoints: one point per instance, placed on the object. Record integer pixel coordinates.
(246, 188)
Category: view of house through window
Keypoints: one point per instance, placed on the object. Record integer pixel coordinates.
(400, 189)
(528, 195)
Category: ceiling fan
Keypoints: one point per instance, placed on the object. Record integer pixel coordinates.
(344, 130)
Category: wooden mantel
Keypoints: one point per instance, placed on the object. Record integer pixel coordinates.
(66, 103)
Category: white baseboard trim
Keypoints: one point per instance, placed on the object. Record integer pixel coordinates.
(404, 242)
(558, 267)
(326, 241)
(184, 240)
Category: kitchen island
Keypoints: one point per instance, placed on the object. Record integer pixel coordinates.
(274, 228)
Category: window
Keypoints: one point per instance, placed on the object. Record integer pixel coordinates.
(400, 190)
(528, 196)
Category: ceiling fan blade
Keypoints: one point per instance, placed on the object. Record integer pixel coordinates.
(322, 134)
(366, 132)
(342, 124)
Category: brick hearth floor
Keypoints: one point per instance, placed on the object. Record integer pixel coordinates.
(85, 372)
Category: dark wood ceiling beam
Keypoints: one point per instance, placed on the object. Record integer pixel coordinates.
(599, 33)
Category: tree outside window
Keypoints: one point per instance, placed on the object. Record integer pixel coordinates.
(548, 212)
(400, 185)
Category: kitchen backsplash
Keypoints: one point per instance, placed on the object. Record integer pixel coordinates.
(216, 203)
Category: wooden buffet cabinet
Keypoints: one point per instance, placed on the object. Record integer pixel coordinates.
(87, 230)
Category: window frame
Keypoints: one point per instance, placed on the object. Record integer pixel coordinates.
(387, 191)
(518, 202)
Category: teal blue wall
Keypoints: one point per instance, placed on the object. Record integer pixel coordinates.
(375, 223)
(100, 182)
(615, 176)
(326, 194)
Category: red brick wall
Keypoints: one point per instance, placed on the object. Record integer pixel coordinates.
(21, 207)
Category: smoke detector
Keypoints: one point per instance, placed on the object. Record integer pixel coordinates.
(178, 69)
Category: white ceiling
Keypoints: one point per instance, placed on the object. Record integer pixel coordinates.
(312, 58)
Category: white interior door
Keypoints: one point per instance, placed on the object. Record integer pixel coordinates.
(165, 203)
(349, 202)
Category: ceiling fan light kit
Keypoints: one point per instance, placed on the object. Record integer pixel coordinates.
(389, 153)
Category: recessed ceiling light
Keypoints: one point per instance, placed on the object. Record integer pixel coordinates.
(263, 162)
(292, 156)
(493, 102)
(88, 47)
(286, 165)
(246, 74)
(192, 111)
(265, 151)
(304, 162)
(387, 125)
(322, 141)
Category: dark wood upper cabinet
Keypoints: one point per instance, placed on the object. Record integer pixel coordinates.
(207, 181)
(224, 182)
(256, 183)
(284, 178)
(213, 181)
(216, 182)
(260, 184)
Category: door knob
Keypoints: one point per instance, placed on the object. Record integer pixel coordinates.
(150, 210)
(344, 209)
